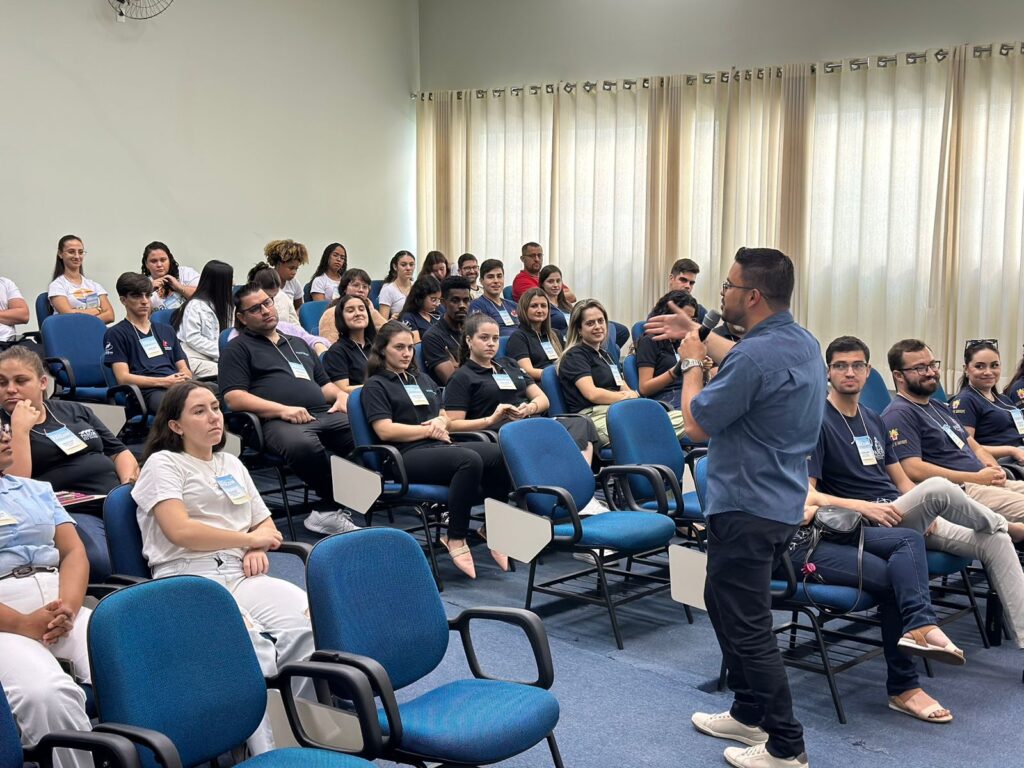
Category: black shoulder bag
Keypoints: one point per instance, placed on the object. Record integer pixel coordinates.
(839, 526)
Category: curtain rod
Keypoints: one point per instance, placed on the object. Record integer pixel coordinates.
(828, 67)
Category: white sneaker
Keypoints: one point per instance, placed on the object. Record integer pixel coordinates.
(724, 726)
(327, 523)
(759, 757)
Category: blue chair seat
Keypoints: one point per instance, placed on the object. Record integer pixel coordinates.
(292, 757)
(476, 722)
(944, 564)
(829, 595)
(691, 507)
(91, 394)
(419, 492)
(624, 531)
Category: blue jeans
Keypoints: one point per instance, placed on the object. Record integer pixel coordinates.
(896, 573)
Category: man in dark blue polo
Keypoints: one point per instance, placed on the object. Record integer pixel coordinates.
(762, 414)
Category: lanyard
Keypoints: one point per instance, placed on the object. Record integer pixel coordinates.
(995, 402)
(940, 423)
(49, 415)
(284, 356)
(847, 423)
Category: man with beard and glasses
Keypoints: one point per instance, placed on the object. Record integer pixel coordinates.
(929, 441)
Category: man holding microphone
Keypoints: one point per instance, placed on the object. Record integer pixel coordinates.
(761, 415)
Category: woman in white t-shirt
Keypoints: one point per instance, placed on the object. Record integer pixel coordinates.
(173, 284)
(397, 284)
(332, 266)
(71, 292)
(200, 321)
(13, 310)
(200, 514)
(286, 256)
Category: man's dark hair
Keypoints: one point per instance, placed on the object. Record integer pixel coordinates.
(682, 266)
(466, 257)
(490, 265)
(846, 344)
(770, 272)
(246, 290)
(530, 244)
(132, 283)
(453, 283)
(900, 348)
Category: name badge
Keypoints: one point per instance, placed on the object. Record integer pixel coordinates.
(6, 518)
(953, 436)
(1018, 420)
(151, 346)
(866, 450)
(299, 370)
(233, 489)
(506, 318)
(615, 374)
(504, 381)
(549, 350)
(416, 394)
(66, 440)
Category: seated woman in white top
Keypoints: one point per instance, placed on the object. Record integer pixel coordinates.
(173, 284)
(71, 291)
(41, 615)
(332, 266)
(200, 320)
(397, 285)
(200, 514)
(13, 310)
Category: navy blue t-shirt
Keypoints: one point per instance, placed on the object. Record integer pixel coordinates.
(993, 422)
(916, 432)
(1016, 392)
(507, 324)
(122, 343)
(836, 463)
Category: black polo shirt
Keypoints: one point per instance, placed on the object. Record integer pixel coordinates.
(122, 343)
(659, 355)
(723, 331)
(473, 388)
(345, 359)
(253, 363)
(414, 322)
(384, 397)
(440, 344)
(578, 362)
(527, 343)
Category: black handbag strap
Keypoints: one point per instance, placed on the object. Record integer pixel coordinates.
(823, 609)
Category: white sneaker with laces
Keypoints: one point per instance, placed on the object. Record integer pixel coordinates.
(724, 726)
(760, 757)
(326, 523)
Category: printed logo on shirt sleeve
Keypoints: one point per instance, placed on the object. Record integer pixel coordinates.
(894, 437)
(108, 349)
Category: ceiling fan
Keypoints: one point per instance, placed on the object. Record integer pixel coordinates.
(139, 9)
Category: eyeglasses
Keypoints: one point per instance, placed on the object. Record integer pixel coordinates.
(727, 285)
(858, 367)
(924, 368)
(978, 342)
(255, 309)
(71, 252)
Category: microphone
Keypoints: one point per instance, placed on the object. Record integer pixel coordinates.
(711, 320)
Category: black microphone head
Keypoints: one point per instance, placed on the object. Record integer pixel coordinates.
(711, 319)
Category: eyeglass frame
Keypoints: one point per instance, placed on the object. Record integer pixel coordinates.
(847, 366)
(727, 285)
(255, 309)
(976, 342)
(934, 366)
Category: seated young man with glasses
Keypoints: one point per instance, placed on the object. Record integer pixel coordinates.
(930, 441)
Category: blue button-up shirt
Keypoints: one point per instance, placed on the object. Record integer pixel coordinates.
(36, 514)
(763, 413)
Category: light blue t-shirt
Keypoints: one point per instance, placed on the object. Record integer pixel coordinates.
(36, 513)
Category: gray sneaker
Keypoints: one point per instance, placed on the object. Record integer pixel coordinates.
(724, 726)
(759, 757)
(326, 523)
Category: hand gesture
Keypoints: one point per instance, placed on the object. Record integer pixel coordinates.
(24, 417)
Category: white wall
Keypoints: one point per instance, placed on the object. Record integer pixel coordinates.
(214, 127)
(490, 43)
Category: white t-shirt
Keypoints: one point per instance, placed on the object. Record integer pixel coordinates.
(8, 291)
(293, 288)
(285, 309)
(84, 296)
(168, 475)
(323, 284)
(392, 297)
(186, 276)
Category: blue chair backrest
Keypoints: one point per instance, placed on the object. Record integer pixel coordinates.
(553, 390)
(418, 355)
(502, 346)
(638, 330)
(612, 348)
(700, 482)
(506, 292)
(124, 539)
(875, 395)
(78, 339)
(375, 286)
(309, 315)
(174, 655)
(162, 316)
(10, 741)
(371, 593)
(43, 308)
(541, 452)
(641, 433)
(222, 340)
(362, 432)
(940, 394)
(630, 373)
(306, 295)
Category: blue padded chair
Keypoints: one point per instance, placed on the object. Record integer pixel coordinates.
(207, 694)
(420, 365)
(375, 286)
(400, 635)
(164, 316)
(631, 373)
(637, 330)
(619, 334)
(309, 315)
(73, 348)
(940, 394)
(43, 308)
(875, 395)
(552, 479)
(306, 292)
(942, 565)
(502, 346)
(506, 292)
(552, 389)
(222, 340)
(106, 748)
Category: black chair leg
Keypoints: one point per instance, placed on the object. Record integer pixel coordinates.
(969, 589)
(529, 585)
(556, 756)
(287, 506)
(429, 545)
(689, 613)
(603, 582)
(827, 666)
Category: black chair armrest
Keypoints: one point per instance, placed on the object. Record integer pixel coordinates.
(112, 583)
(300, 549)
(668, 478)
(1013, 470)
(161, 746)
(528, 621)
(380, 684)
(57, 364)
(36, 336)
(790, 573)
(247, 426)
(649, 474)
(135, 404)
(349, 683)
(390, 457)
(106, 748)
(518, 498)
(474, 436)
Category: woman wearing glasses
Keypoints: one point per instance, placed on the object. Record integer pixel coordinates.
(988, 416)
(71, 292)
